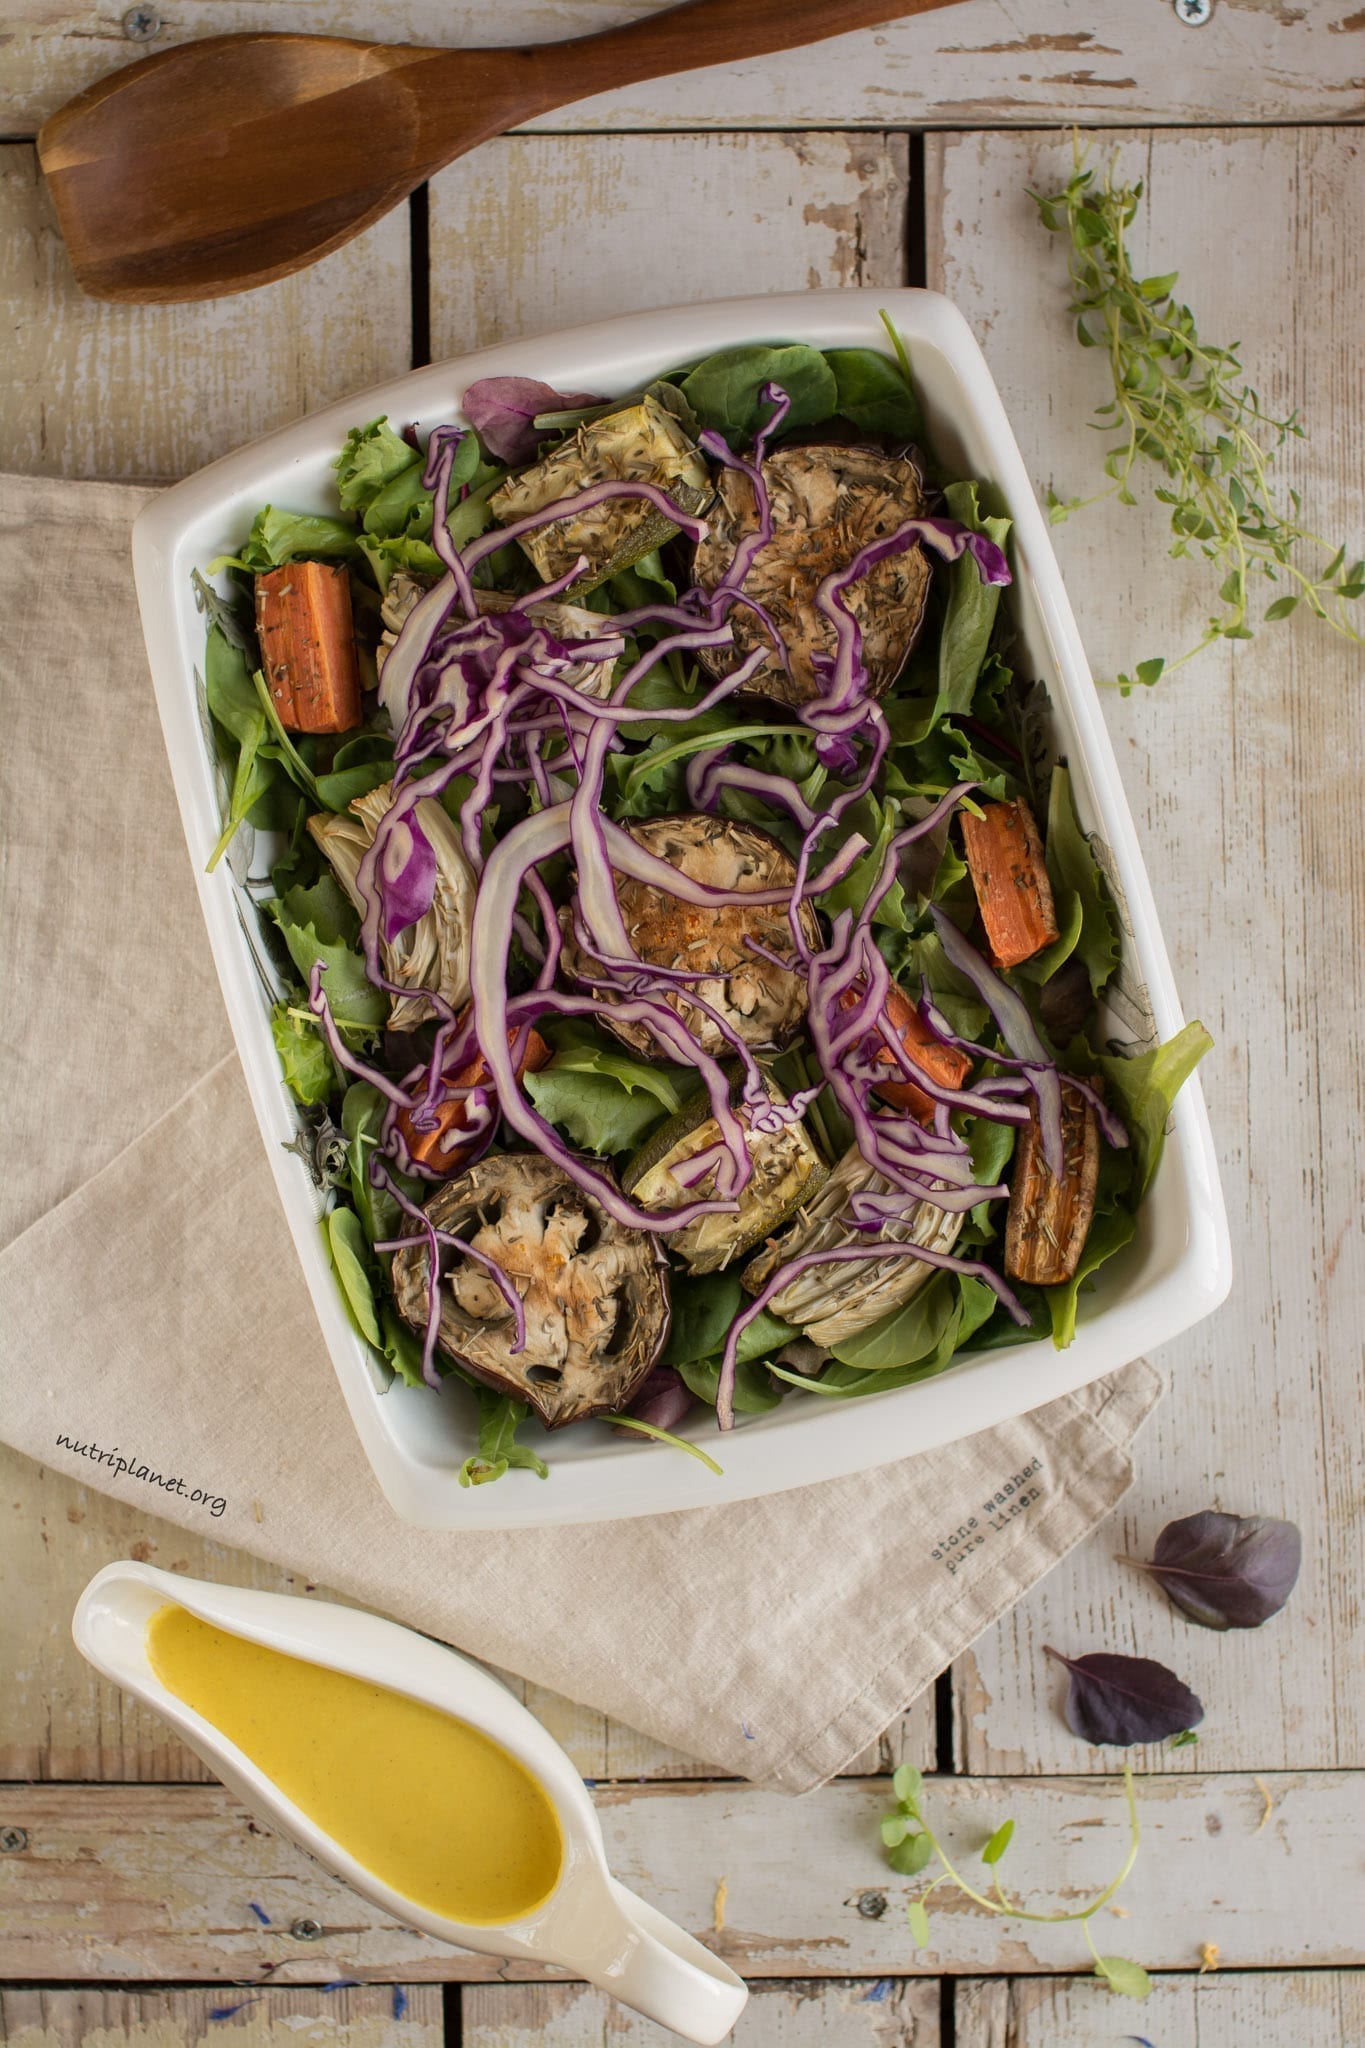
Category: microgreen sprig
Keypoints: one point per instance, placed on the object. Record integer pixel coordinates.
(1181, 403)
(911, 1846)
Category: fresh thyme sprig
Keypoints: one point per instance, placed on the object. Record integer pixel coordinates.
(1181, 403)
(911, 1846)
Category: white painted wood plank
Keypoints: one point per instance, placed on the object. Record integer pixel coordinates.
(156, 391)
(1298, 2009)
(163, 1884)
(366, 2016)
(538, 232)
(986, 63)
(1243, 772)
(856, 2014)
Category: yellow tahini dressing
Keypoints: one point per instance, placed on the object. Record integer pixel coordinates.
(429, 1805)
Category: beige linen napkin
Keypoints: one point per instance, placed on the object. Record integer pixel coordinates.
(160, 1345)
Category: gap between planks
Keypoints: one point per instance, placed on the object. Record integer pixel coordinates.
(181, 1884)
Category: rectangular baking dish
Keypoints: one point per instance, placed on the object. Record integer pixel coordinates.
(1178, 1268)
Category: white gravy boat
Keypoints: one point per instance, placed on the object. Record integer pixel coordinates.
(589, 1925)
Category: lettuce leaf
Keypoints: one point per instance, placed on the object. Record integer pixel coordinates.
(320, 924)
(278, 537)
(1085, 917)
(371, 457)
(1142, 1090)
(606, 1101)
(304, 1058)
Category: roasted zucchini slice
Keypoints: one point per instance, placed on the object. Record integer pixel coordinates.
(828, 502)
(835, 1301)
(594, 1293)
(762, 1002)
(643, 443)
(787, 1171)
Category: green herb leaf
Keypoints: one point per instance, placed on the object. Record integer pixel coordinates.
(918, 1921)
(907, 1783)
(1185, 1740)
(1128, 1980)
(910, 1856)
(998, 1842)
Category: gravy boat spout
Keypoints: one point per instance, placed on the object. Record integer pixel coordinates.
(588, 1924)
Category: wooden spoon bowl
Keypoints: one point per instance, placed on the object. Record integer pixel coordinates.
(220, 165)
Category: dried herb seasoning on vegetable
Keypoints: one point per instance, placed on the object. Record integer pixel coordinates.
(675, 960)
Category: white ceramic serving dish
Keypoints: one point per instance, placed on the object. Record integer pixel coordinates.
(1177, 1269)
(590, 1925)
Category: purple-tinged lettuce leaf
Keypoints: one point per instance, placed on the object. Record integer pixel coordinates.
(1226, 1571)
(502, 411)
(1125, 1699)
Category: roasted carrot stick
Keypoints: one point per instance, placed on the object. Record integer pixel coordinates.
(942, 1063)
(303, 616)
(1049, 1219)
(441, 1149)
(1005, 857)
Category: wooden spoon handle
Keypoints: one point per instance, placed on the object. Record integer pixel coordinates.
(703, 32)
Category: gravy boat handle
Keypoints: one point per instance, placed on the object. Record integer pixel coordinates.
(651, 1964)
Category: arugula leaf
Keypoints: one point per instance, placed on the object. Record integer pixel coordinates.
(724, 389)
(874, 394)
(320, 924)
(499, 1452)
(346, 1247)
(1143, 1090)
(606, 1101)
(304, 1057)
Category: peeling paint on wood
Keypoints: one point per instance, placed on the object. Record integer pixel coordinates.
(858, 2014)
(1298, 2009)
(155, 1883)
(534, 233)
(363, 2016)
(979, 65)
(1243, 772)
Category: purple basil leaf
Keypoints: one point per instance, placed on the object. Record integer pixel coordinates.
(1125, 1699)
(1227, 1571)
(663, 1400)
(502, 411)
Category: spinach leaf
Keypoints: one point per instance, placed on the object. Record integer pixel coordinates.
(499, 1452)
(252, 779)
(755, 1390)
(304, 1057)
(968, 618)
(358, 766)
(704, 1306)
(319, 924)
(1143, 1090)
(346, 1247)
(607, 1101)
(910, 1333)
(872, 392)
(724, 389)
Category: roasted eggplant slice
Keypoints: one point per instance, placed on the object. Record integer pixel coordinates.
(831, 1302)
(762, 1002)
(568, 622)
(1049, 1219)
(642, 443)
(594, 1293)
(787, 1171)
(828, 503)
(434, 952)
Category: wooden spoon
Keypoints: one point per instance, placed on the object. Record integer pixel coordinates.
(225, 163)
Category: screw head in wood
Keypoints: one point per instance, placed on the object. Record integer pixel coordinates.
(142, 24)
(306, 1930)
(1194, 13)
(872, 1905)
(12, 1840)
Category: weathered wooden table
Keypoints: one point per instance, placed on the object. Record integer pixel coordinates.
(891, 157)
